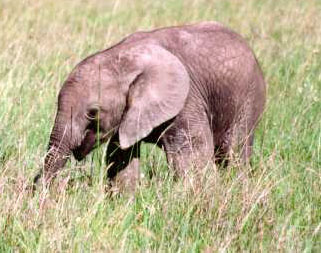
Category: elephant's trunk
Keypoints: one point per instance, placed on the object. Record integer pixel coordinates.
(60, 146)
(68, 129)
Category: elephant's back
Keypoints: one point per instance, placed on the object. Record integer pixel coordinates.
(212, 54)
(223, 69)
(216, 56)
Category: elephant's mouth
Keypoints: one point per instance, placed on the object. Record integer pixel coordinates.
(86, 145)
(93, 137)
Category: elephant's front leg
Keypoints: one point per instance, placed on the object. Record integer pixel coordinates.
(123, 166)
(189, 148)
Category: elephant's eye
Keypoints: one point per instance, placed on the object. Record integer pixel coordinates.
(92, 114)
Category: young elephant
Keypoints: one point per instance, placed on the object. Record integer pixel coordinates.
(195, 90)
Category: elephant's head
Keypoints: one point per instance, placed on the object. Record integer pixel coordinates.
(126, 89)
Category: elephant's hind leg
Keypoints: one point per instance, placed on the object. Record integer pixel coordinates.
(223, 148)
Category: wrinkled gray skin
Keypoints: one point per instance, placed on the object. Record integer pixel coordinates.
(196, 90)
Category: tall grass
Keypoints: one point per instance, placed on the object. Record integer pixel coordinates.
(274, 205)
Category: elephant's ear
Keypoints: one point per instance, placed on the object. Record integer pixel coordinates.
(156, 94)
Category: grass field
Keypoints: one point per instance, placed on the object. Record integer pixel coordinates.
(275, 205)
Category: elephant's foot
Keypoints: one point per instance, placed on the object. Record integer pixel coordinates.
(127, 179)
